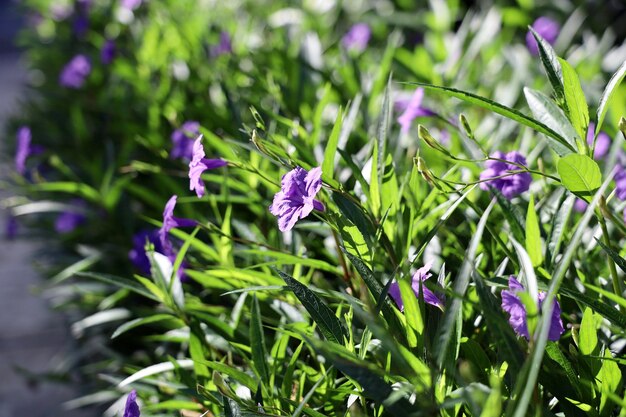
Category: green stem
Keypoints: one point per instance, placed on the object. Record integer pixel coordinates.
(618, 287)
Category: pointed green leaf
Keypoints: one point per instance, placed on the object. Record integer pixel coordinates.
(551, 65)
(548, 113)
(328, 166)
(329, 324)
(257, 342)
(588, 336)
(578, 110)
(607, 94)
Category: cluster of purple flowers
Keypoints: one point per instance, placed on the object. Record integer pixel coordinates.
(503, 173)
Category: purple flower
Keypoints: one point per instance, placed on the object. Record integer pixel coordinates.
(620, 183)
(198, 165)
(509, 184)
(183, 138)
(357, 37)
(24, 149)
(512, 304)
(11, 227)
(547, 28)
(419, 277)
(81, 24)
(580, 205)
(225, 46)
(69, 220)
(296, 198)
(137, 254)
(170, 222)
(75, 72)
(108, 51)
(130, 4)
(411, 109)
(131, 409)
(603, 142)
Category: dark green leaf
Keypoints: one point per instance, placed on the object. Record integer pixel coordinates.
(257, 342)
(329, 324)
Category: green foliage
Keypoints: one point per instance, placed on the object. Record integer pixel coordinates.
(326, 319)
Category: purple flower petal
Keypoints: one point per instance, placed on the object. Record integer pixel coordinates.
(108, 52)
(296, 199)
(198, 165)
(69, 220)
(421, 275)
(357, 38)
(183, 140)
(11, 227)
(412, 109)
(225, 45)
(75, 72)
(170, 222)
(131, 409)
(23, 149)
(620, 183)
(510, 185)
(547, 28)
(512, 304)
(603, 142)
(130, 4)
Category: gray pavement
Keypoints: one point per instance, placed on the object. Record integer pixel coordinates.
(32, 337)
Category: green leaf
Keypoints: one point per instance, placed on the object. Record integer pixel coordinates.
(578, 110)
(231, 408)
(329, 324)
(558, 229)
(533, 236)
(328, 166)
(610, 378)
(548, 113)
(501, 110)
(551, 65)
(619, 261)
(580, 175)
(144, 320)
(607, 94)
(196, 350)
(553, 351)
(588, 336)
(370, 379)
(257, 342)
(119, 282)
